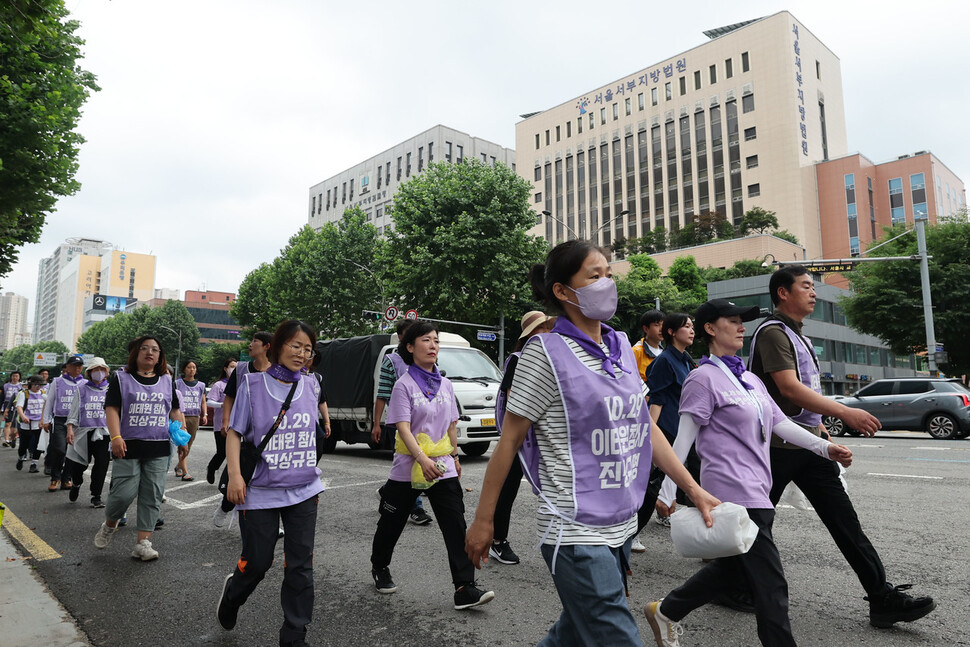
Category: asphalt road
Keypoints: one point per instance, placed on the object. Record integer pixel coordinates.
(910, 493)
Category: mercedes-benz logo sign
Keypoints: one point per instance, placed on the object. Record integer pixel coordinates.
(99, 301)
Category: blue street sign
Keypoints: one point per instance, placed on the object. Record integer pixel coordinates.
(486, 336)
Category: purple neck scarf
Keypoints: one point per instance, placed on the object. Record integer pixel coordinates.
(736, 366)
(73, 379)
(566, 328)
(283, 374)
(103, 383)
(428, 381)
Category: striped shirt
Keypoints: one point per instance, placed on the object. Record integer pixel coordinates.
(385, 383)
(534, 395)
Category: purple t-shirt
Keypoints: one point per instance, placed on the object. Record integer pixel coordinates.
(735, 460)
(432, 417)
(292, 446)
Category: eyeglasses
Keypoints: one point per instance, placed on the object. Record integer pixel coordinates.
(300, 350)
(150, 349)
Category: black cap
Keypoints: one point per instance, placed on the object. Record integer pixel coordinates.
(75, 360)
(710, 311)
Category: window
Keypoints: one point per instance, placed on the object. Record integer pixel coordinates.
(328, 199)
(896, 208)
(745, 66)
(547, 138)
(313, 205)
(461, 153)
(430, 152)
(407, 166)
(668, 93)
(728, 68)
(538, 197)
(592, 121)
(351, 189)
(818, 70)
(538, 173)
(484, 158)
(697, 80)
(713, 74)
(569, 129)
(420, 158)
(640, 101)
(448, 151)
(683, 85)
(628, 104)
(379, 178)
(616, 111)
(754, 190)
(491, 160)
(750, 133)
(876, 388)
(343, 193)
(908, 387)
(653, 96)
(558, 135)
(579, 125)
(747, 103)
(537, 141)
(917, 185)
(603, 116)
(399, 169)
(751, 161)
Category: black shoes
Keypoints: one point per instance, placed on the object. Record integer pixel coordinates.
(96, 502)
(896, 606)
(74, 493)
(419, 517)
(503, 553)
(20, 464)
(226, 612)
(383, 581)
(470, 596)
(210, 475)
(33, 468)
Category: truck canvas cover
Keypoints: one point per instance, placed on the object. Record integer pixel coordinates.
(347, 366)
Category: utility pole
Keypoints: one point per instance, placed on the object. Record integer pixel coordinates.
(924, 277)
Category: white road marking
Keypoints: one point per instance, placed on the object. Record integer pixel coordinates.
(182, 505)
(327, 485)
(934, 449)
(186, 484)
(906, 476)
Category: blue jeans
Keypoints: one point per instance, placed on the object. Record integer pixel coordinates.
(589, 580)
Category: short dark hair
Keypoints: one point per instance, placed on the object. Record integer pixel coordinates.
(402, 327)
(161, 366)
(417, 329)
(263, 337)
(784, 277)
(651, 317)
(286, 331)
(17, 373)
(673, 322)
(562, 263)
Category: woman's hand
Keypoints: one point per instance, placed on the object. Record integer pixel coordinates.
(705, 502)
(457, 465)
(118, 447)
(478, 539)
(70, 436)
(430, 470)
(840, 454)
(236, 492)
(663, 510)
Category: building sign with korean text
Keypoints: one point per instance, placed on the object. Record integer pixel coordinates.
(630, 85)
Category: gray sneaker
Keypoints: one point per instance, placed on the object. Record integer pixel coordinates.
(103, 538)
(144, 551)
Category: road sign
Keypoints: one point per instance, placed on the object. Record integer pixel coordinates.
(45, 359)
(391, 313)
(411, 315)
(485, 336)
(830, 266)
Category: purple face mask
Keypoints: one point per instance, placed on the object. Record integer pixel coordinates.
(597, 300)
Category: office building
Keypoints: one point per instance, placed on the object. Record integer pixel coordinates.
(49, 279)
(13, 320)
(210, 311)
(371, 184)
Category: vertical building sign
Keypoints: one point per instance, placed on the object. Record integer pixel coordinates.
(801, 92)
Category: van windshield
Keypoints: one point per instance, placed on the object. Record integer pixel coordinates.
(467, 364)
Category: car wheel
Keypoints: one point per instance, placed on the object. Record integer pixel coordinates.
(941, 426)
(834, 425)
(475, 449)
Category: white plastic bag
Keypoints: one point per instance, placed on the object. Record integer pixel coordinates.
(45, 437)
(795, 498)
(733, 532)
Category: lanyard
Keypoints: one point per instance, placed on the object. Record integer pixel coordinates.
(748, 394)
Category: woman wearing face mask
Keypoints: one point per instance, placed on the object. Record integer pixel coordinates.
(588, 453)
(217, 394)
(87, 432)
(727, 412)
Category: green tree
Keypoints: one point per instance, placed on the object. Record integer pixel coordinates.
(42, 89)
(324, 278)
(637, 291)
(887, 299)
(619, 247)
(21, 358)
(784, 234)
(758, 220)
(213, 356)
(687, 277)
(460, 248)
(686, 236)
(109, 338)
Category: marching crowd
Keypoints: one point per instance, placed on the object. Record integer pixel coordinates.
(578, 410)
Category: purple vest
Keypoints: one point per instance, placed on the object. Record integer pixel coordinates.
(145, 408)
(10, 392)
(806, 367)
(290, 458)
(91, 407)
(191, 396)
(400, 366)
(609, 435)
(34, 408)
(63, 391)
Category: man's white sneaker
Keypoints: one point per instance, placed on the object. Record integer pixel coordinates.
(637, 546)
(219, 517)
(104, 535)
(144, 551)
(666, 632)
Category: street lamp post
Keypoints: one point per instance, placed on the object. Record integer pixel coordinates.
(178, 356)
(595, 234)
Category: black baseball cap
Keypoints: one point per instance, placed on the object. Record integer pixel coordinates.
(710, 311)
(75, 360)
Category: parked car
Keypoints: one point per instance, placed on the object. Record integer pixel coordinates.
(938, 406)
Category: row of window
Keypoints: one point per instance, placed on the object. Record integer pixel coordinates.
(748, 101)
(917, 185)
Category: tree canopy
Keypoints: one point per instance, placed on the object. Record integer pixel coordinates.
(888, 303)
(42, 89)
(21, 358)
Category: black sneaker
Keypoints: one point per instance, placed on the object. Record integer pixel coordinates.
(383, 581)
(20, 464)
(33, 468)
(895, 606)
(470, 596)
(74, 493)
(503, 553)
(159, 523)
(225, 611)
(420, 518)
(96, 502)
(210, 475)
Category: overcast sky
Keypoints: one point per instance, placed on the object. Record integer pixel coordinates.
(215, 117)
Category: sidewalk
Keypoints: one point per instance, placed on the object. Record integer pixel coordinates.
(29, 613)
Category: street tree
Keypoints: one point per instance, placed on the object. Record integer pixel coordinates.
(110, 338)
(687, 277)
(213, 356)
(887, 297)
(460, 247)
(21, 358)
(637, 291)
(758, 220)
(42, 89)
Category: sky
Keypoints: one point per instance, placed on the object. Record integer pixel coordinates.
(215, 116)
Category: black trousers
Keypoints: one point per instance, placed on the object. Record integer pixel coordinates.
(220, 454)
(760, 568)
(260, 532)
(28, 443)
(693, 465)
(818, 478)
(97, 450)
(397, 499)
(57, 448)
(506, 497)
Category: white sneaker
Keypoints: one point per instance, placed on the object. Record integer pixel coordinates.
(219, 517)
(104, 535)
(662, 521)
(666, 632)
(144, 551)
(637, 546)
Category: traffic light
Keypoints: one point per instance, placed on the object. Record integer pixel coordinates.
(371, 315)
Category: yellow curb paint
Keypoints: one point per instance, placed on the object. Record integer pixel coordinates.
(37, 547)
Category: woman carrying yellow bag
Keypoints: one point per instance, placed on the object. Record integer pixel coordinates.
(424, 410)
